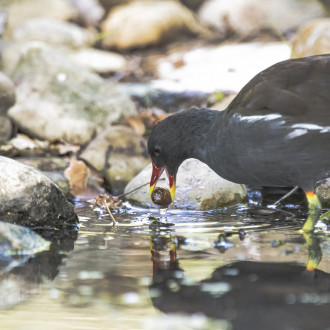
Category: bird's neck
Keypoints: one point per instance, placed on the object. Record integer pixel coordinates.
(202, 143)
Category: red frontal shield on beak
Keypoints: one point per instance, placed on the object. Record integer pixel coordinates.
(156, 173)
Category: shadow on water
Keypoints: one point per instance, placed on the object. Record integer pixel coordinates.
(242, 267)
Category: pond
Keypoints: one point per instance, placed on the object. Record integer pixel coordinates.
(242, 267)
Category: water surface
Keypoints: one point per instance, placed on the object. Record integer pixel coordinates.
(241, 267)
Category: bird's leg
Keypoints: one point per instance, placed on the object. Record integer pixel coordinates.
(314, 251)
(314, 211)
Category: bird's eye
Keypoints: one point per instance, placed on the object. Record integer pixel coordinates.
(156, 151)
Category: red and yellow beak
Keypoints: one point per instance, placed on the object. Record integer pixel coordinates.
(156, 173)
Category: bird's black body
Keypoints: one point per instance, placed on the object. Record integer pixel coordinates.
(276, 132)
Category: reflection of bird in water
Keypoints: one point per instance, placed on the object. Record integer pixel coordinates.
(249, 295)
(274, 133)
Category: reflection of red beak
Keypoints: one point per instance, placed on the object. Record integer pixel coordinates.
(156, 173)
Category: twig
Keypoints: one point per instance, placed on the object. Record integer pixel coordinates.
(106, 206)
(286, 195)
(135, 189)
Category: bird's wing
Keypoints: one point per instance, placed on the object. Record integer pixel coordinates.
(296, 88)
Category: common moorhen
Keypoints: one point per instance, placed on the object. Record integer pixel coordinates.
(276, 132)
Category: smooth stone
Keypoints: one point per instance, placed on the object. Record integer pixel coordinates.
(54, 32)
(143, 23)
(27, 197)
(119, 153)
(312, 38)
(197, 187)
(99, 61)
(248, 18)
(59, 99)
(7, 93)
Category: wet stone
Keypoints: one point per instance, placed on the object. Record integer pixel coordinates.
(29, 198)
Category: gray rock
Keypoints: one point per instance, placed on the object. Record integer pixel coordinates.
(53, 168)
(197, 187)
(27, 197)
(20, 11)
(119, 153)
(54, 32)
(58, 99)
(6, 129)
(7, 93)
(323, 192)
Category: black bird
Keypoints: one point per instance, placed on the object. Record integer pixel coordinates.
(276, 132)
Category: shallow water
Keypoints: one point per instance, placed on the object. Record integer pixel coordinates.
(239, 268)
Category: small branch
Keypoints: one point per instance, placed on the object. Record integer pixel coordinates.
(135, 189)
(287, 195)
(106, 206)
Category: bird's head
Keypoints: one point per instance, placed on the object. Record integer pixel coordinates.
(162, 147)
(176, 138)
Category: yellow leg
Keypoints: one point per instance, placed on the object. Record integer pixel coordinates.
(314, 210)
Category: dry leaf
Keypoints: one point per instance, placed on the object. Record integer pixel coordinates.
(136, 123)
(77, 173)
(112, 202)
(151, 117)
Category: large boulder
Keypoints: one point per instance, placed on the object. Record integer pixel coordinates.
(29, 198)
(59, 99)
(197, 187)
(143, 23)
(119, 153)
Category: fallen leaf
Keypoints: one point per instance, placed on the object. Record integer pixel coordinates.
(136, 123)
(112, 202)
(77, 173)
(151, 117)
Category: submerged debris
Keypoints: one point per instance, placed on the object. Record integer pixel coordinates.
(108, 202)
